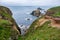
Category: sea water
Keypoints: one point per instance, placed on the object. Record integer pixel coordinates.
(22, 13)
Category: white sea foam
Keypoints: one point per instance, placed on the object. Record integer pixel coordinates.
(23, 29)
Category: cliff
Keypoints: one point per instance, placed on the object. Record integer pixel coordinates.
(44, 28)
(8, 27)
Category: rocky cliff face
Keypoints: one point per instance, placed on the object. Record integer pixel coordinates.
(8, 27)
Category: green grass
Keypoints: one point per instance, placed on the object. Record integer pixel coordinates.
(5, 29)
(56, 11)
(44, 32)
(5, 33)
(6, 24)
(57, 14)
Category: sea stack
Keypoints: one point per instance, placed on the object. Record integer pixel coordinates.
(36, 12)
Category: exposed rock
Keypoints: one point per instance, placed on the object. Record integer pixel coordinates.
(36, 12)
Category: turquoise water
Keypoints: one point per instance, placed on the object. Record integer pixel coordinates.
(21, 13)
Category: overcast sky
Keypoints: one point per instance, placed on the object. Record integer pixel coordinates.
(30, 2)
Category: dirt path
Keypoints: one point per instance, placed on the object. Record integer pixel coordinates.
(53, 24)
(43, 20)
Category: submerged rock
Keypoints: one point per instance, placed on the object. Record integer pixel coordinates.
(28, 19)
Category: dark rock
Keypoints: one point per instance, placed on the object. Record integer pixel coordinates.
(36, 12)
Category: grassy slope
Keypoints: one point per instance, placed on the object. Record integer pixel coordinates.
(6, 25)
(44, 32)
(4, 29)
(56, 10)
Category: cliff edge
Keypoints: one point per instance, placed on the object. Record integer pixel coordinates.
(46, 27)
(8, 28)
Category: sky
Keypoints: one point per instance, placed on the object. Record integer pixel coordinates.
(30, 2)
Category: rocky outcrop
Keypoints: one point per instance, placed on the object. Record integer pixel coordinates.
(8, 27)
(36, 12)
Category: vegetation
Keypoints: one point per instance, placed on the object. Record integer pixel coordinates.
(44, 32)
(7, 32)
(57, 14)
(56, 11)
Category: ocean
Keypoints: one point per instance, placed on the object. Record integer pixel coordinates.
(22, 13)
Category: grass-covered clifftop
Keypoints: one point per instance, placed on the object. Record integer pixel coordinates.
(8, 27)
(44, 32)
(55, 10)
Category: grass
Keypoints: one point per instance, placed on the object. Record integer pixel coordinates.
(44, 32)
(6, 24)
(5, 30)
(57, 14)
(56, 11)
